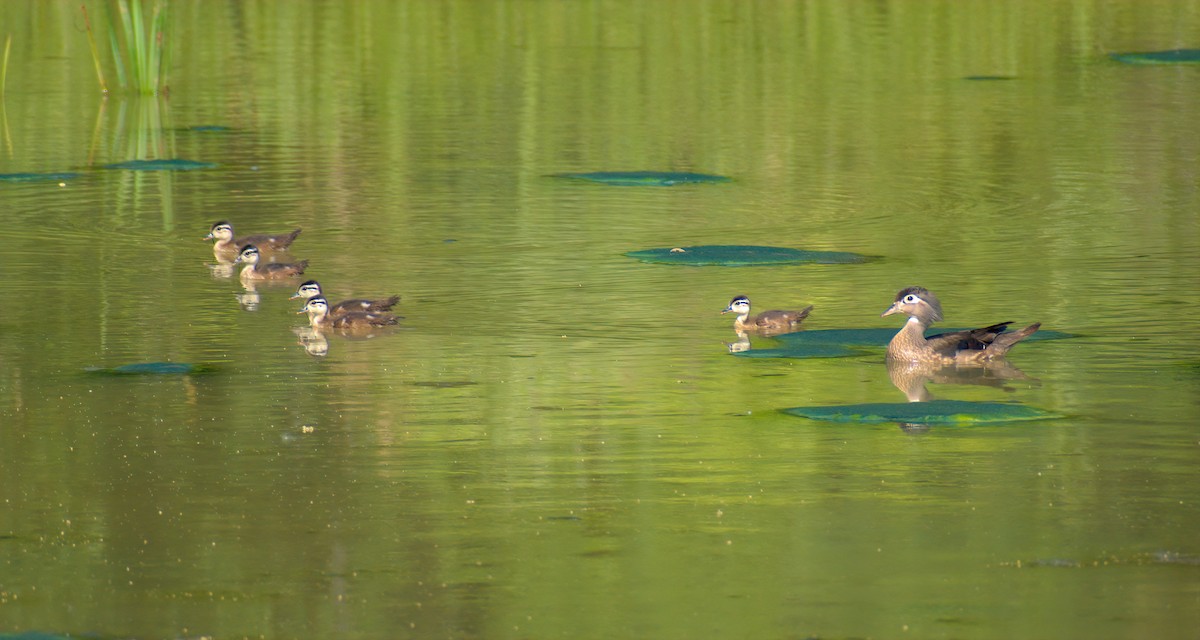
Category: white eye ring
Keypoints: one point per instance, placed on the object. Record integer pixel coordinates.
(911, 299)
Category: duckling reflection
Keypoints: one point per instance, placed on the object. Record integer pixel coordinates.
(911, 377)
(741, 344)
(313, 341)
(250, 299)
(222, 269)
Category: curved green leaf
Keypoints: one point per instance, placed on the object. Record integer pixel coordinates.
(1171, 56)
(153, 369)
(173, 164)
(643, 178)
(742, 256)
(37, 177)
(879, 337)
(936, 412)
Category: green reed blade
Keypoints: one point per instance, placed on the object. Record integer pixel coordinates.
(4, 68)
(87, 23)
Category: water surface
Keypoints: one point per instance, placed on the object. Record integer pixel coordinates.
(556, 442)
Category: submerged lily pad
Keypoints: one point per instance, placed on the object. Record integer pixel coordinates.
(171, 164)
(153, 369)
(841, 343)
(988, 78)
(38, 177)
(879, 337)
(742, 256)
(1171, 56)
(801, 351)
(936, 412)
(209, 128)
(643, 178)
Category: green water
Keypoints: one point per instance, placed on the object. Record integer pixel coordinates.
(557, 442)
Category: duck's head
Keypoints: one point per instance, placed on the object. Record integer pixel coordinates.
(307, 290)
(739, 305)
(222, 231)
(248, 254)
(916, 302)
(316, 307)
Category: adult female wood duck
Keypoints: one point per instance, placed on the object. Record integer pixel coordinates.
(773, 321)
(319, 317)
(226, 244)
(312, 289)
(974, 345)
(255, 269)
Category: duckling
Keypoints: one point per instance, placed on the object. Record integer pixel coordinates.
(774, 321)
(258, 270)
(974, 345)
(319, 317)
(311, 289)
(225, 242)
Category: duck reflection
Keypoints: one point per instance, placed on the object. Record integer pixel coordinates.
(741, 344)
(222, 269)
(911, 377)
(250, 299)
(314, 342)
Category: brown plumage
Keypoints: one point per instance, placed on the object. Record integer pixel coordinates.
(222, 232)
(255, 269)
(774, 321)
(319, 317)
(312, 288)
(974, 345)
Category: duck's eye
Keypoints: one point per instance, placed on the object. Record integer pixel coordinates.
(911, 299)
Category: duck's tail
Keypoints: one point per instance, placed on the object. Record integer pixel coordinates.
(287, 240)
(384, 305)
(1006, 340)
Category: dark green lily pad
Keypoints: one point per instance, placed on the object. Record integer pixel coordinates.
(1172, 56)
(742, 256)
(801, 351)
(643, 178)
(154, 369)
(172, 164)
(38, 177)
(988, 78)
(209, 128)
(936, 412)
(879, 337)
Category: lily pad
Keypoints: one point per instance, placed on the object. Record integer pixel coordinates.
(153, 369)
(743, 256)
(643, 178)
(989, 78)
(936, 412)
(38, 177)
(801, 351)
(209, 128)
(1171, 56)
(171, 164)
(879, 337)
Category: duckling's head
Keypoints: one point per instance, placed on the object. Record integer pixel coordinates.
(316, 307)
(222, 231)
(307, 290)
(248, 254)
(739, 305)
(916, 302)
